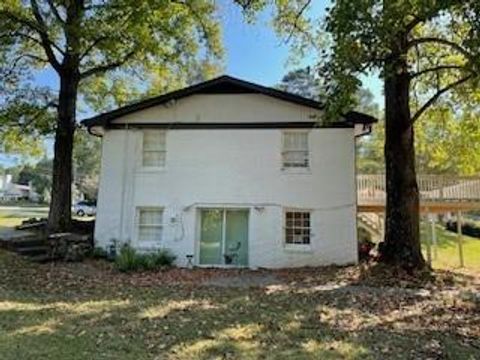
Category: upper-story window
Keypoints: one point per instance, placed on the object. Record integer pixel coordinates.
(295, 152)
(154, 148)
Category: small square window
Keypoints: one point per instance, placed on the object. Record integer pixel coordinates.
(297, 227)
(150, 225)
(295, 152)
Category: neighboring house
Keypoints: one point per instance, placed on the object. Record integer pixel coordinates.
(10, 191)
(228, 172)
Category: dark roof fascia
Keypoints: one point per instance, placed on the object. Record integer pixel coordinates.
(219, 126)
(356, 117)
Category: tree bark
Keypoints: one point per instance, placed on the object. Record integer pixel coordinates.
(59, 217)
(60, 213)
(402, 228)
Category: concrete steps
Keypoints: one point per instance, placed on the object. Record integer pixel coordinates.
(26, 244)
(40, 258)
(32, 250)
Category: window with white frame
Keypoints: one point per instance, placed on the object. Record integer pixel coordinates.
(295, 149)
(154, 148)
(297, 227)
(150, 225)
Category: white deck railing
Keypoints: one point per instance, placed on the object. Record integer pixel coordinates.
(372, 188)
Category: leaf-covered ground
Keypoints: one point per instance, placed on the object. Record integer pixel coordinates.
(89, 311)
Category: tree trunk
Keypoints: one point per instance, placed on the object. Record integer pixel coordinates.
(59, 217)
(402, 228)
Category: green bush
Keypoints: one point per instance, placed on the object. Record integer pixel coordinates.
(130, 260)
(127, 260)
(163, 258)
(99, 253)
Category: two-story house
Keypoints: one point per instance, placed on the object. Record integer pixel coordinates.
(228, 172)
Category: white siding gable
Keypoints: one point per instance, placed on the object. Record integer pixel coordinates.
(223, 108)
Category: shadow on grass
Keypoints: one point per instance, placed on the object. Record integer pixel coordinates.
(274, 326)
(227, 324)
(91, 315)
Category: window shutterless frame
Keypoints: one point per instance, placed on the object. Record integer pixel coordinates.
(149, 226)
(295, 149)
(297, 229)
(153, 149)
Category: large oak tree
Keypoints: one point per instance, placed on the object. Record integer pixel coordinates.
(92, 45)
(422, 47)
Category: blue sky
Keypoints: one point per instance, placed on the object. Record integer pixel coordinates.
(255, 53)
(252, 52)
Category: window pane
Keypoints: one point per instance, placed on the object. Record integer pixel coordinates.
(153, 158)
(153, 140)
(297, 227)
(151, 217)
(150, 233)
(295, 141)
(295, 159)
(150, 226)
(295, 149)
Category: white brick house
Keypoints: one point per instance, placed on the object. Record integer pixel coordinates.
(230, 173)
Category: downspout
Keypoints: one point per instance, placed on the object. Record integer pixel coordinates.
(366, 130)
(124, 185)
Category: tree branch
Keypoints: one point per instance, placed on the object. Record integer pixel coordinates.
(436, 68)
(437, 95)
(195, 15)
(39, 29)
(108, 66)
(101, 38)
(7, 72)
(94, 43)
(440, 41)
(297, 17)
(55, 11)
(44, 36)
(419, 18)
(31, 25)
(19, 33)
(244, 4)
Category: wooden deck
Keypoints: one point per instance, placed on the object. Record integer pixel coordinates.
(438, 193)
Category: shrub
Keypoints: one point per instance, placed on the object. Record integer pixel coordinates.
(127, 259)
(130, 260)
(99, 253)
(164, 258)
(468, 228)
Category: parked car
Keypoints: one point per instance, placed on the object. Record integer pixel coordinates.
(85, 208)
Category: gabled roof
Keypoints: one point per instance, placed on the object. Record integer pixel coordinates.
(221, 85)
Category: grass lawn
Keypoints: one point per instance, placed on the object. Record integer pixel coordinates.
(447, 252)
(13, 216)
(9, 221)
(90, 311)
